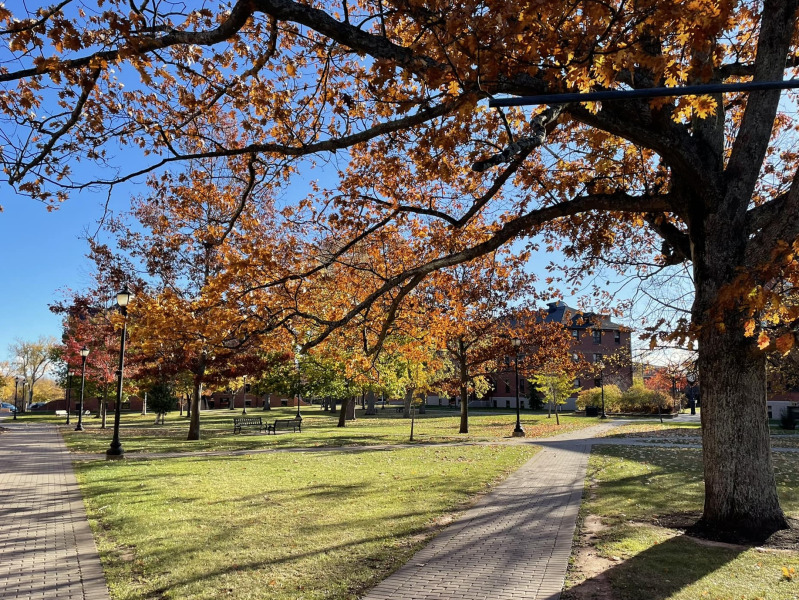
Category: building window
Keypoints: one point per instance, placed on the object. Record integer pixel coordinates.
(577, 382)
(617, 337)
(769, 412)
(597, 336)
(507, 361)
(507, 388)
(521, 385)
(576, 334)
(597, 357)
(597, 382)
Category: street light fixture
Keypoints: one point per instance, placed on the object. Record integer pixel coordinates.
(22, 404)
(691, 379)
(115, 451)
(297, 364)
(84, 353)
(69, 393)
(244, 400)
(602, 385)
(518, 432)
(16, 408)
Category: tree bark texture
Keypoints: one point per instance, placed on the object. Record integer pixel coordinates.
(406, 410)
(740, 488)
(351, 408)
(342, 415)
(194, 419)
(371, 409)
(464, 428)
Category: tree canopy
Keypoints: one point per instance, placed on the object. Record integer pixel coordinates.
(389, 93)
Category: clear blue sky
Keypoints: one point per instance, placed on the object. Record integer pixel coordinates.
(42, 253)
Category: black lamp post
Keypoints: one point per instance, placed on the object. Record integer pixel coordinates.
(16, 408)
(297, 363)
(518, 432)
(69, 393)
(84, 353)
(691, 379)
(244, 400)
(115, 450)
(602, 385)
(22, 404)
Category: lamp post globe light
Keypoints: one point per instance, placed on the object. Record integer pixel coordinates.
(518, 432)
(16, 408)
(115, 451)
(84, 353)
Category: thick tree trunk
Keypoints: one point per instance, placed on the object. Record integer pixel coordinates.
(194, 419)
(342, 416)
(351, 408)
(406, 411)
(371, 409)
(740, 489)
(464, 428)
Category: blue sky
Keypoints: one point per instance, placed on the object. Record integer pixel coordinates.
(42, 253)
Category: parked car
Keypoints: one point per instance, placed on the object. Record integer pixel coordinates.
(38, 406)
(7, 406)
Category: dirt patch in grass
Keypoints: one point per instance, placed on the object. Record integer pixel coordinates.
(588, 568)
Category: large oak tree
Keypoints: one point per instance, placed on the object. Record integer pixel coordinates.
(393, 87)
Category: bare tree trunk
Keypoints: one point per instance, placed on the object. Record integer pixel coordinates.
(194, 419)
(423, 405)
(371, 409)
(740, 489)
(464, 428)
(342, 416)
(351, 408)
(104, 408)
(406, 412)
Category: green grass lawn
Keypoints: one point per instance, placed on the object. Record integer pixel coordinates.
(295, 526)
(629, 488)
(139, 434)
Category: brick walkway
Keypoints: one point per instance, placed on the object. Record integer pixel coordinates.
(514, 543)
(46, 546)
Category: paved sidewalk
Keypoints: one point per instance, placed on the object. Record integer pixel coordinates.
(46, 546)
(514, 543)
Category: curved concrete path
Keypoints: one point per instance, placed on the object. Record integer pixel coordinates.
(47, 550)
(514, 543)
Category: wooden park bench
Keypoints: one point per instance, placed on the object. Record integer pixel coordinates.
(239, 422)
(294, 423)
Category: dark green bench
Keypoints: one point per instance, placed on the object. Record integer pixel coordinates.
(294, 423)
(239, 422)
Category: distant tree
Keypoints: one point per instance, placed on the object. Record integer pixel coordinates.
(557, 388)
(33, 359)
(161, 400)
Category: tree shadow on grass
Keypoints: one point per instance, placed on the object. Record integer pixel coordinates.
(658, 572)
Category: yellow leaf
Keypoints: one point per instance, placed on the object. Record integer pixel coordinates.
(749, 328)
(291, 69)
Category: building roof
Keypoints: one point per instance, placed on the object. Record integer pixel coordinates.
(558, 312)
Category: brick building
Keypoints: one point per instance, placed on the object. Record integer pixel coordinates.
(596, 337)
